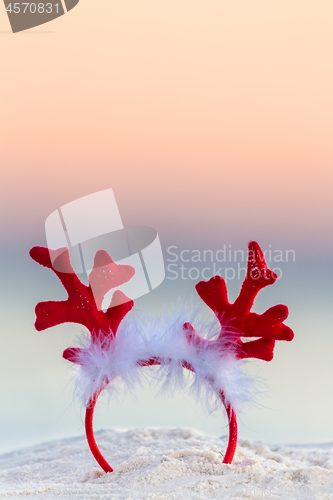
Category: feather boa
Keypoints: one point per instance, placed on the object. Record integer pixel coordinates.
(141, 338)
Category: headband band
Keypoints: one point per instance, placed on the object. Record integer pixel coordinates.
(227, 459)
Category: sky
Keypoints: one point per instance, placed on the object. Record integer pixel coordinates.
(212, 124)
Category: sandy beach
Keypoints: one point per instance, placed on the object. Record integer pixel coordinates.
(166, 464)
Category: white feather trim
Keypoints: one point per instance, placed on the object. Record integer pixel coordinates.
(141, 338)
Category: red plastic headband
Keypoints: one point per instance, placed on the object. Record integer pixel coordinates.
(84, 307)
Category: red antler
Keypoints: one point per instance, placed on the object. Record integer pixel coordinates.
(269, 326)
(84, 302)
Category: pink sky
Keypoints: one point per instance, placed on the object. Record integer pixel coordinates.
(189, 108)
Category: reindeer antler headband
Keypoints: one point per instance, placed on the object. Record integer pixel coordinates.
(117, 349)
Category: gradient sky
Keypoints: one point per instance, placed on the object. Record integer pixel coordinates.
(212, 122)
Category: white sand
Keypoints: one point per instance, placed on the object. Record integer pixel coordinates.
(166, 464)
